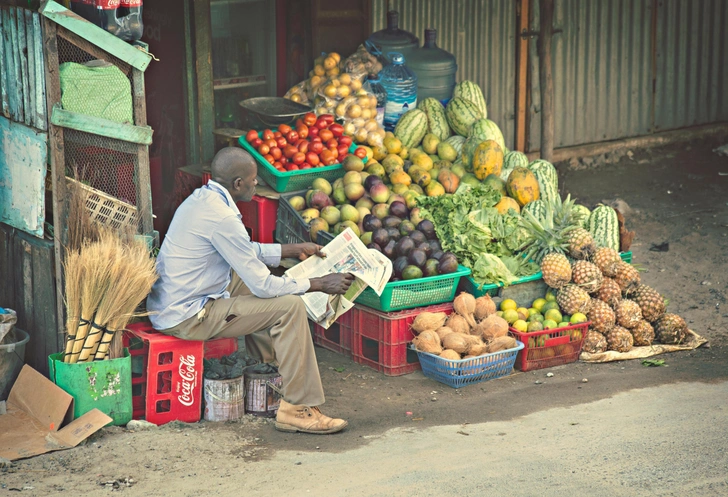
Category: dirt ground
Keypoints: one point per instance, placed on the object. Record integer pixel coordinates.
(675, 195)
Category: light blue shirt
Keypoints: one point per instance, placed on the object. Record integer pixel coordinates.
(205, 240)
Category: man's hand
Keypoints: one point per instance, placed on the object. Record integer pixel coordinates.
(301, 251)
(333, 284)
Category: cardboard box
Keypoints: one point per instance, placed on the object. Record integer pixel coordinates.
(39, 418)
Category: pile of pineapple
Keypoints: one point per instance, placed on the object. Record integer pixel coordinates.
(595, 281)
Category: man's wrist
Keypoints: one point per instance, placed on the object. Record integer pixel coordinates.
(315, 285)
(290, 250)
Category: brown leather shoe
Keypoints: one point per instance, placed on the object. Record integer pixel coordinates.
(306, 419)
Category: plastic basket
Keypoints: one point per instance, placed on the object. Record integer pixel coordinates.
(471, 286)
(294, 180)
(560, 346)
(398, 295)
(290, 226)
(460, 373)
(626, 257)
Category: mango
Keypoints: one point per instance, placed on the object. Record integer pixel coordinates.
(424, 161)
(429, 143)
(434, 189)
(400, 177)
(446, 151)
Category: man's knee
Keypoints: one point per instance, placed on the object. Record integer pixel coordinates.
(294, 303)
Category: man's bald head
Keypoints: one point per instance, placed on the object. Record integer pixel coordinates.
(231, 163)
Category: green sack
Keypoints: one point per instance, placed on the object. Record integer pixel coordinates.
(97, 89)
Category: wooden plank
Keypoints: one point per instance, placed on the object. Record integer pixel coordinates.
(44, 305)
(30, 117)
(546, 16)
(25, 83)
(11, 64)
(203, 67)
(7, 290)
(94, 34)
(522, 77)
(190, 85)
(4, 76)
(144, 182)
(101, 127)
(40, 90)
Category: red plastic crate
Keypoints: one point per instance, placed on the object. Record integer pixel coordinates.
(560, 346)
(206, 176)
(218, 347)
(380, 340)
(259, 216)
(337, 338)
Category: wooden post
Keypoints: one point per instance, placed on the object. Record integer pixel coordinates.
(522, 77)
(546, 14)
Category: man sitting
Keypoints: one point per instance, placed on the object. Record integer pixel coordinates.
(198, 297)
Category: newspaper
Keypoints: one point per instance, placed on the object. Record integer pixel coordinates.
(344, 254)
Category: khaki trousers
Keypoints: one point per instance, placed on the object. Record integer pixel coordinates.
(275, 330)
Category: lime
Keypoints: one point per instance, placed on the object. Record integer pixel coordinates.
(511, 316)
(553, 315)
(548, 306)
(564, 324)
(577, 318)
(538, 304)
(520, 325)
(550, 296)
(499, 314)
(549, 324)
(536, 317)
(532, 311)
(523, 313)
(566, 318)
(535, 326)
(508, 304)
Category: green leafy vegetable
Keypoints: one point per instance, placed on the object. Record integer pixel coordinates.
(653, 362)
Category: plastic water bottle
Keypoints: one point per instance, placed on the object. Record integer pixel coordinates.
(374, 86)
(400, 83)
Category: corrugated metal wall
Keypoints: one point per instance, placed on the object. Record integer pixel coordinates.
(481, 35)
(692, 63)
(601, 72)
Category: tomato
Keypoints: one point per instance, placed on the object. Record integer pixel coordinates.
(292, 137)
(281, 141)
(316, 147)
(342, 150)
(252, 135)
(360, 152)
(330, 161)
(256, 143)
(299, 158)
(341, 158)
(292, 167)
(276, 153)
(329, 118)
(337, 129)
(326, 154)
(309, 119)
(284, 129)
(271, 143)
(302, 131)
(321, 123)
(345, 140)
(305, 165)
(277, 135)
(313, 132)
(299, 122)
(289, 151)
(264, 149)
(326, 135)
(278, 164)
(312, 158)
(267, 134)
(303, 146)
(269, 158)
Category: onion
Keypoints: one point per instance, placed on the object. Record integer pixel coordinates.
(428, 321)
(484, 307)
(464, 304)
(458, 324)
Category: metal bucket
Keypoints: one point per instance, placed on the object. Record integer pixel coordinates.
(224, 399)
(12, 358)
(262, 397)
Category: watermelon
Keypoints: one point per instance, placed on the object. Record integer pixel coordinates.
(604, 227)
(537, 208)
(471, 92)
(488, 130)
(436, 120)
(461, 114)
(548, 179)
(583, 212)
(411, 128)
(512, 160)
(457, 143)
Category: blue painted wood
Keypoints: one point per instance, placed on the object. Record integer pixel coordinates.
(23, 65)
(4, 106)
(11, 80)
(23, 163)
(30, 64)
(41, 120)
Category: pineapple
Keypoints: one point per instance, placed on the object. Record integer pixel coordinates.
(610, 292)
(594, 342)
(556, 270)
(643, 333)
(606, 260)
(586, 275)
(620, 339)
(628, 314)
(601, 316)
(581, 243)
(650, 301)
(671, 329)
(627, 277)
(572, 299)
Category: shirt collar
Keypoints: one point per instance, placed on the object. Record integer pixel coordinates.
(217, 187)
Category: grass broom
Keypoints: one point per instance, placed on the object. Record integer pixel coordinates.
(74, 274)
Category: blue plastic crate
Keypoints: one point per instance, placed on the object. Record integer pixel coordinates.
(459, 373)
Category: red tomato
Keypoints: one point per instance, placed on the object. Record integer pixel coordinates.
(271, 143)
(303, 146)
(284, 129)
(326, 155)
(269, 158)
(342, 150)
(290, 150)
(281, 141)
(276, 153)
(267, 134)
(341, 158)
(312, 158)
(256, 143)
(326, 135)
(313, 132)
(299, 158)
(292, 137)
(329, 118)
(277, 134)
(360, 152)
(345, 140)
(252, 135)
(337, 129)
(330, 161)
(316, 147)
(292, 167)
(309, 119)
(321, 123)
(278, 164)
(332, 143)
(302, 131)
(299, 122)
(263, 149)
(305, 165)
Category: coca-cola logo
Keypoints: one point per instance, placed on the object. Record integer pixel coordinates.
(188, 374)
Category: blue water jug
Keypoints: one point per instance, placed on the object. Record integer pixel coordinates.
(400, 83)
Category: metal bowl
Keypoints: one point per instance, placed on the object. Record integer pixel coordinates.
(271, 112)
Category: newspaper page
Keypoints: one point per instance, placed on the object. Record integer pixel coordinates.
(344, 254)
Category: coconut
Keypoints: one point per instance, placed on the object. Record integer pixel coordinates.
(493, 327)
(450, 354)
(478, 348)
(442, 331)
(429, 336)
(484, 307)
(428, 321)
(458, 324)
(464, 304)
(425, 345)
(458, 342)
(502, 343)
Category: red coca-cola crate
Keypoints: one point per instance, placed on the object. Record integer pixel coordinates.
(259, 216)
(380, 339)
(218, 347)
(337, 337)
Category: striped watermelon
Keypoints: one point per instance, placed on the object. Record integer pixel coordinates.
(604, 227)
(436, 120)
(548, 179)
(471, 92)
(411, 128)
(461, 114)
(583, 212)
(512, 160)
(537, 208)
(457, 143)
(488, 130)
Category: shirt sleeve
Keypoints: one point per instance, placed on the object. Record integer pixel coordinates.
(269, 253)
(232, 242)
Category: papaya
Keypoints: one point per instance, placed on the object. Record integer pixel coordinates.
(422, 160)
(400, 178)
(507, 203)
(487, 159)
(434, 189)
(449, 180)
(522, 185)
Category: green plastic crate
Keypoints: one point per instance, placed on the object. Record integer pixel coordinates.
(398, 295)
(290, 226)
(626, 257)
(469, 285)
(293, 180)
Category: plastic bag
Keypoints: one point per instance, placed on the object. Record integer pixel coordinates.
(298, 93)
(359, 114)
(8, 318)
(361, 63)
